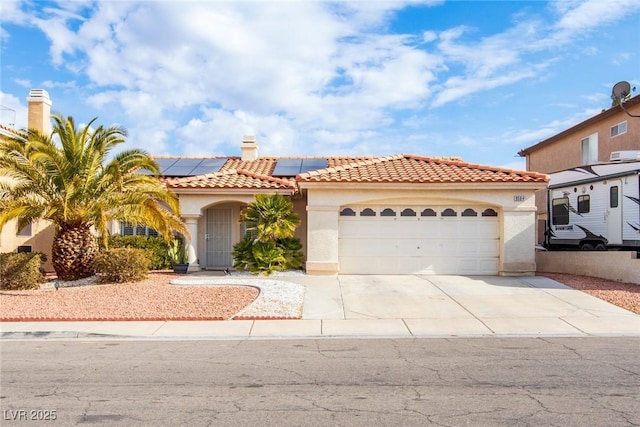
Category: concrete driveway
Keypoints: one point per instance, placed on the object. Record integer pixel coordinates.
(458, 305)
(389, 306)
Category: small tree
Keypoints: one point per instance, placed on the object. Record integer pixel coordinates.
(269, 244)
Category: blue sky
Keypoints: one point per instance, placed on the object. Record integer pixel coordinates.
(475, 79)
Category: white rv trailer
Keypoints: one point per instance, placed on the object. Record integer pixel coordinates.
(596, 207)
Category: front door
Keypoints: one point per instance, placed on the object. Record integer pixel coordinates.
(219, 238)
(614, 213)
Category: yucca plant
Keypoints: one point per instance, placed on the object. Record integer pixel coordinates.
(270, 244)
(72, 179)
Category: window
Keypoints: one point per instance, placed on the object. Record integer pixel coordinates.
(584, 204)
(619, 129)
(127, 229)
(408, 212)
(428, 212)
(367, 212)
(469, 212)
(449, 212)
(590, 149)
(24, 248)
(25, 231)
(347, 212)
(388, 212)
(613, 197)
(489, 212)
(560, 211)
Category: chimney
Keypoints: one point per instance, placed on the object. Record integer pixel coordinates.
(249, 148)
(39, 111)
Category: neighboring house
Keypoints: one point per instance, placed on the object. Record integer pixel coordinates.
(402, 214)
(607, 136)
(35, 237)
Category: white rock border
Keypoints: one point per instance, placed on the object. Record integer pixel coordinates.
(276, 300)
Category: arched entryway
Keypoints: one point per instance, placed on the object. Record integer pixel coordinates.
(222, 231)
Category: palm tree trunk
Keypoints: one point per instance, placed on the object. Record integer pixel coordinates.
(74, 249)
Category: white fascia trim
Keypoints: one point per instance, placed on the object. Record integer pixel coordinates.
(488, 186)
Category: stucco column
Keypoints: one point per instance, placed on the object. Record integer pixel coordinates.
(322, 240)
(192, 245)
(518, 255)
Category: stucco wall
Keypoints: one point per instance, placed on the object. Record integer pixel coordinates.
(517, 241)
(40, 240)
(618, 266)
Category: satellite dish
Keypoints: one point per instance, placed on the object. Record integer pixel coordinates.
(621, 90)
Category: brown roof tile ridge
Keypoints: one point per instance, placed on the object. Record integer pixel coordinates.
(194, 178)
(532, 174)
(363, 162)
(451, 160)
(265, 177)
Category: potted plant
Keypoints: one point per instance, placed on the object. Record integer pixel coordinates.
(178, 255)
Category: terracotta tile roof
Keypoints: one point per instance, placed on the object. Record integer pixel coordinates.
(233, 179)
(407, 168)
(402, 168)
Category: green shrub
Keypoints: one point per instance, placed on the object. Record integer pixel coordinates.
(292, 251)
(20, 271)
(157, 247)
(119, 265)
(269, 244)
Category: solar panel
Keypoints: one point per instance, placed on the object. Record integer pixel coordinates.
(292, 167)
(178, 171)
(287, 167)
(189, 167)
(286, 171)
(165, 163)
(214, 163)
(313, 164)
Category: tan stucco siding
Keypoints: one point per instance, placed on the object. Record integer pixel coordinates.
(515, 205)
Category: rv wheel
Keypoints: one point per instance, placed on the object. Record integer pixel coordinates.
(601, 247)
(586, 247)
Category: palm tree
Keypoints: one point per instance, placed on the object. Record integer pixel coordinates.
(65, 178)
(270, 217)
(269, 243)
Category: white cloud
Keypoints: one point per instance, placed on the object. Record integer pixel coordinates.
(13, 112)
(313, 75)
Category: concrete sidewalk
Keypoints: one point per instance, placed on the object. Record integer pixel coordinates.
(389, 306)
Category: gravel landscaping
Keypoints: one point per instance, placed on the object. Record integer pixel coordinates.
(625, 295)
(194, 297)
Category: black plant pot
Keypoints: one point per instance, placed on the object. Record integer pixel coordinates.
(180, 268)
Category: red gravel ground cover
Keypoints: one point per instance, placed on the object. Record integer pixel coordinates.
(151, 299)
(156, 299)
(625, 295)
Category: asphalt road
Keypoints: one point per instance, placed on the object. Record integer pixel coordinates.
(407, 382)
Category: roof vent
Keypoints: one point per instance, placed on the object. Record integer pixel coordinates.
(625, 156)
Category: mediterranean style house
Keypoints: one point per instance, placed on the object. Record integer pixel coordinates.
(398, 214)
(612, 135)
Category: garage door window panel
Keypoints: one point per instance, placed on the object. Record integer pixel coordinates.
(347, 212)
(449, 212)
(388, 212)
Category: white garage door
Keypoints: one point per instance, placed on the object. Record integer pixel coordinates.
(419, 240)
